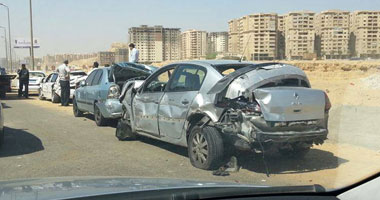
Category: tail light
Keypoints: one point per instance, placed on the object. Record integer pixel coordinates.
(113, 92)
(327, 103)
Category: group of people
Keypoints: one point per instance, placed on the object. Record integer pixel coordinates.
(64, 76)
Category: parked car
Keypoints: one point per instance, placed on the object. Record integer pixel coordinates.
(51, 89)
(99, 93)
(211, 107)
(5, 82)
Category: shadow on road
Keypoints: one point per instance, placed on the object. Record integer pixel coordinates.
(19, 142)
(164, 145)
(14, 96)
(314, 160)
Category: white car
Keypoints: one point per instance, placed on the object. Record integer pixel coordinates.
(51, 89)
(35, 79)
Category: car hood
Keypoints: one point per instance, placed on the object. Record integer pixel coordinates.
(122, 72)
(74, 187)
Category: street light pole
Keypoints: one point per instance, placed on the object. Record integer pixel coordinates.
(31, 35)
(6, 48)
(9, 35)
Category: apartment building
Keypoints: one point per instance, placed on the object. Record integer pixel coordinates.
(156, 43)
(105, 58)
(233, 36)
(217, 42)
(254, 36)
(300, 35)
(365, 31)
(193, 44)
(333, 34)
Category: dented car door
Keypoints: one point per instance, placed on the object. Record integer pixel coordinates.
(175, 103)
(146, 102)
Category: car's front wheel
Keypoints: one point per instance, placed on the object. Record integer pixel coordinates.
(54, 97)
(99, 119)
(76, 111)
(40, 96)
(205, 147)
(124, 131)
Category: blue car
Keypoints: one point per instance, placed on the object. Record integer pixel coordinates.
(99, 93)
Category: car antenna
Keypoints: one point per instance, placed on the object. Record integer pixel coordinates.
(246, 45)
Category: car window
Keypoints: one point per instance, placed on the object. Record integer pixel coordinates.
(54, 78)
(48, 78)
(36, 74)
(78, 73)
(97, 78)
(91, 77)
(159, 82)
(188, 78)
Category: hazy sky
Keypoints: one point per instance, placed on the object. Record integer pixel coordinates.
(84, 26)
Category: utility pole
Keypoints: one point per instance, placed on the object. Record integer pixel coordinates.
(6, 48)
(31, 35)
(9, 34)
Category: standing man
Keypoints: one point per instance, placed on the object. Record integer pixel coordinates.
(64, 81)
(23, 75)
(133, 54)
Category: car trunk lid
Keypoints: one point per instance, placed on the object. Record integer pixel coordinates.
(290, 103)
(122, 72)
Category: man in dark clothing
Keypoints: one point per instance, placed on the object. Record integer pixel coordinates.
(96, 65)
(23, 75)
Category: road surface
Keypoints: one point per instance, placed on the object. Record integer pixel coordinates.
(45, 140)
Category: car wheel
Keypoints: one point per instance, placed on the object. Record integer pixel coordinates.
(54, 97)
(124, 130)
(205, 147)
(40, 96)
(76, 111)
(99, 119)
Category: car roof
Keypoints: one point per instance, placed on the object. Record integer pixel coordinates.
(214, 62)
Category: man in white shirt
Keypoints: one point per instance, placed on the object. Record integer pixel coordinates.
(64, 81)
(133, 54)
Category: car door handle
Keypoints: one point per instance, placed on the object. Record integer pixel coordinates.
(185, 102)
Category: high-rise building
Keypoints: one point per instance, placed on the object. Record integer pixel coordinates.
(333, 34)
(156, 44)
(300, 35)
(254, 36)
(217, 42)
(365, 31)
(193, 44)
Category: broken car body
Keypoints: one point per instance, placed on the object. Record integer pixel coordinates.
(197, 105)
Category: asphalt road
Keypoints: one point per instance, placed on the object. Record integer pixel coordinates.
(45, 140)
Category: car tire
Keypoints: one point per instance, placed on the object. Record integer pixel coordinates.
(40, 96)
(205, 147)
(124, 130)
(76, 111)
(54, 97)
(99, 119)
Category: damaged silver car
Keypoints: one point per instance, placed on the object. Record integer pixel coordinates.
(214, 107)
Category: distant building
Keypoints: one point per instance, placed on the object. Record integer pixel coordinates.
(300, 35)
(217, 42)
(156, 44)
(105, 57)
(121, 55)
(365, 31)
(193, 44)
(254, 36)
(333, 34)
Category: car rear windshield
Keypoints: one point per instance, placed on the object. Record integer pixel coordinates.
(36, 74)
(227, 69)
(290, 82)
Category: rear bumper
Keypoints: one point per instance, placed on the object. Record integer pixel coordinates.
(111, 108)
(317, 136)
(33, 88)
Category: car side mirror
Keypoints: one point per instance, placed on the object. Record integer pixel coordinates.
(83, 83)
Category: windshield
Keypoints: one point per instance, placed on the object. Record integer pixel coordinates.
(36, 74)
(259, 93)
